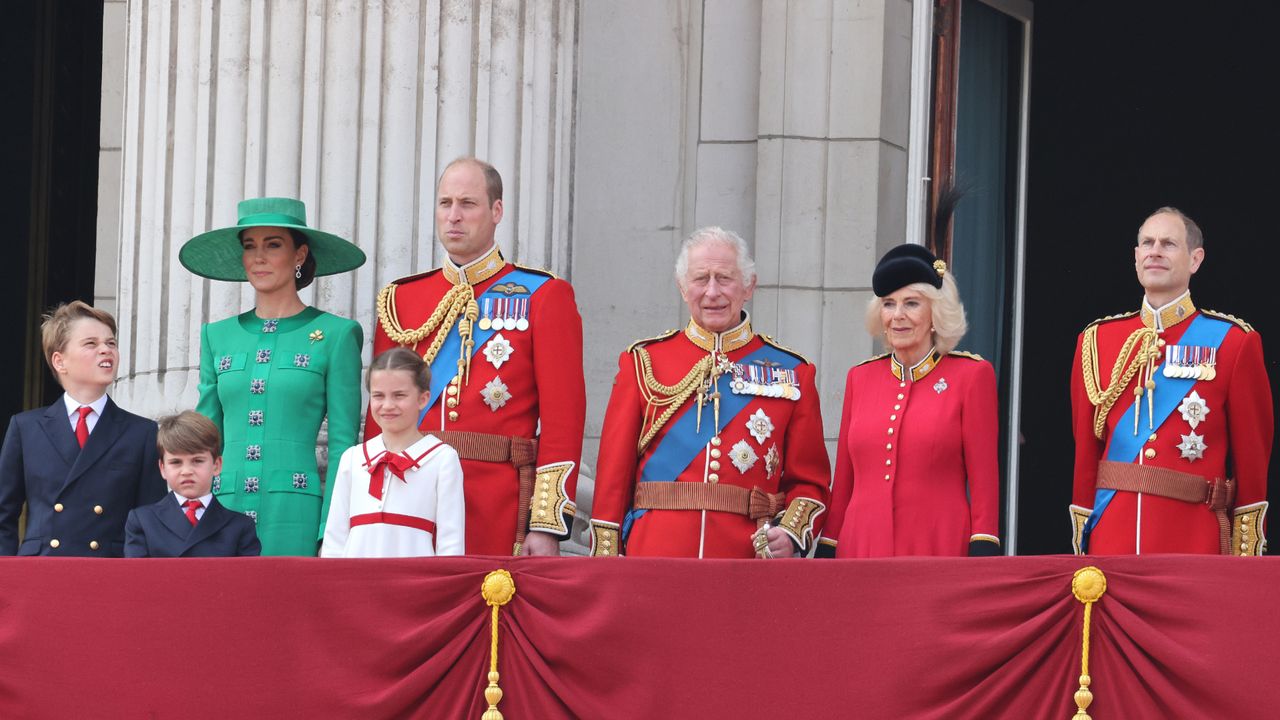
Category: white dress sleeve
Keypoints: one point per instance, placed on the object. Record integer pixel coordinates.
(338, 527)
(451, 511)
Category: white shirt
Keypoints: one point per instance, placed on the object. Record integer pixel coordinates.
(204, 504)
(73, 411)
(431, 492)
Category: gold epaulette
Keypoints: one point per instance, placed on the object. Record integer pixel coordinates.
(964, 354)
(1109, 318)
(770, 341)
(645, 341)
(1229, 318)
(873, 358)
(538, 270)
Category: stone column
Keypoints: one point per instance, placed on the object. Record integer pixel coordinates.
(354, 106)
(830, 174)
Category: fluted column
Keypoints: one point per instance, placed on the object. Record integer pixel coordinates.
(354, 106)
(830, 173)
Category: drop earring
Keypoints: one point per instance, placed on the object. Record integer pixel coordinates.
(297, 271)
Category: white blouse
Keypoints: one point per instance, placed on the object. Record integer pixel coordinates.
(422, 515)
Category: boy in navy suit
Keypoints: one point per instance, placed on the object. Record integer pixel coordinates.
(189, 521)
(82, 463)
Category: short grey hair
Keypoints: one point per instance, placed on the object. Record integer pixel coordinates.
(1195, 238)
(946, 310)
(715, 234)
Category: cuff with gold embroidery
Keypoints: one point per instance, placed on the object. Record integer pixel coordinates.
(826, 548)
(1247, 537)
(550, 510)
(1079, 516)
(606, 539)
(798, 519)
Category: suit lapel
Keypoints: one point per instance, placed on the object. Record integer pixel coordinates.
(214, 518)
(58, 428)
(174, 519)
(104, 436)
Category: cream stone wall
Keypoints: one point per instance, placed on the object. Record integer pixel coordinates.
(619, 126)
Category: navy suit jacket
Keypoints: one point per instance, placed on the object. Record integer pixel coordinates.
(77, 499)
(163, 530)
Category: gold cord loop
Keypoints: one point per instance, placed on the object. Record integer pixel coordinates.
(1148, 351)
(656, 395)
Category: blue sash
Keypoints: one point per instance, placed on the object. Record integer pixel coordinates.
(445, 366)
(1203, 331)
(683, 442)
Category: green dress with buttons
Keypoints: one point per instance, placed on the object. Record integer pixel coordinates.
(267, 385)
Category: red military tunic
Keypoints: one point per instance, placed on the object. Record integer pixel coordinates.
(771, 443)
(524, 383)
(916, 469)
(1232, 440)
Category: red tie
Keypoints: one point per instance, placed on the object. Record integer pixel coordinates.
(395, 462)
(82, 425)
(192, 506)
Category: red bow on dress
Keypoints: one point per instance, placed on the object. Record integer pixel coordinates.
(397, 463)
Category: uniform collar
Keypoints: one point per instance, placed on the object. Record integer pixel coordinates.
(727, 341)
(917, 371)
(1166, 317)
(476, 271)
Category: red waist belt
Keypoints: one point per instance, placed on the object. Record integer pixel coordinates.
(382, 518)
(1218, 494)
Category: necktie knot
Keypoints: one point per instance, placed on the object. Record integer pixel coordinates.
(191, 507)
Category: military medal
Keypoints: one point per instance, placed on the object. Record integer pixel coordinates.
(1192, 446)
(764, 379)
(522, 322)
(771, 461)
(499, 307)
(760, 426)
(1193, 409)
(495, 394)
(1190, 362)
(485, 321)
(742, 456)
(497, 351)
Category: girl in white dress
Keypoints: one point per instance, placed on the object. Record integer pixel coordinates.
(399, 494)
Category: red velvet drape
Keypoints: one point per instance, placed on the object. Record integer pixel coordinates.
(1174, 636)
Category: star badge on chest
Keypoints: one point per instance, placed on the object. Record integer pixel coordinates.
(742, 456)
(495, 394)
(497, 351)
(760, 426)
(1193, 409)
(1192, 446)
(939, 386)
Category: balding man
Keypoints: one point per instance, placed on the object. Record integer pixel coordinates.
(504, 343)
(1172, 415)
(712, 441)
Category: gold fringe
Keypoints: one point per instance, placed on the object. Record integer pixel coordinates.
(1088, 586)
(497, 590)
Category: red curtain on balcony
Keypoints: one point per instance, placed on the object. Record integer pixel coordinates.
(1185, 637)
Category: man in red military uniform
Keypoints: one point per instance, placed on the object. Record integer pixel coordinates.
(1172, 416)
(712, 441)
(505, 347)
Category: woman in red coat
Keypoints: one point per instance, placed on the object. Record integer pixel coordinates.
(916, 470)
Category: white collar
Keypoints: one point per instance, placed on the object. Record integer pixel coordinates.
(204, 499)
(74, 405)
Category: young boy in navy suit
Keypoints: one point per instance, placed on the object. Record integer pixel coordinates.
(82, 463)
(189, 521)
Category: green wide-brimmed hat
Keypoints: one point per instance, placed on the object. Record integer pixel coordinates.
(217, 253)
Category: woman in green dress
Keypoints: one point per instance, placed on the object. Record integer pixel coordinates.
(268, 377)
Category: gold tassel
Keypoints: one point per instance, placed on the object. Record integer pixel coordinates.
(497, 590)
(1087, 585)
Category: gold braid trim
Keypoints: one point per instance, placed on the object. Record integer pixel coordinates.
(460, 300)
(1144, 339)
(656, 395)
